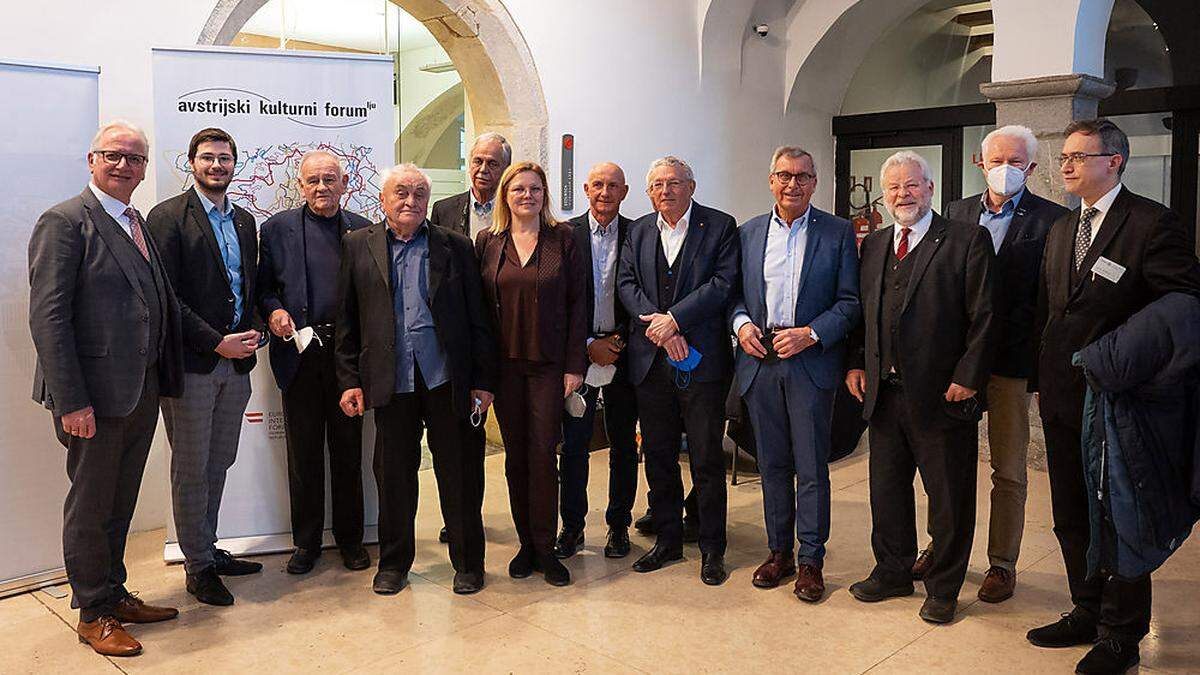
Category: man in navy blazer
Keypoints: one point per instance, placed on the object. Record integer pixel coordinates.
(677, 275)
(797, 303)
(300, 252)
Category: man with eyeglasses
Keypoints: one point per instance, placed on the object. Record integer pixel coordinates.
(797, 303)
(300, 251)
(105, 325)
(210, 251)
(1104, 261)
(471, 211)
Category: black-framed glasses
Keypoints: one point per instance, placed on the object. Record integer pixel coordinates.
(1081, 157)
(802, 179)
(133, 161)
(215, 159)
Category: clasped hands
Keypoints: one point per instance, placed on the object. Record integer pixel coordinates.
(787, 341)
(664, 332)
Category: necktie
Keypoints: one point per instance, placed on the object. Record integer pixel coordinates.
(902, 247)
(1083, 236)
(135, 231)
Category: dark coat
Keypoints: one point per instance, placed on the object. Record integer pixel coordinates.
(88, 317)
(192, 258)
(583, 248)
(1016, 273)
(365, 341)
(451, 213)
(283, 280)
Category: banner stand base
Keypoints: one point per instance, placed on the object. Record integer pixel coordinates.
(32, 582)
(264, 544)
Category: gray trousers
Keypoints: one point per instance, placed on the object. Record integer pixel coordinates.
(203, 427)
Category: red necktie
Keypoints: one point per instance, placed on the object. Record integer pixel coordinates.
(135, 231)
(902, 247)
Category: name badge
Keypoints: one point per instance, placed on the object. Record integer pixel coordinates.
(1108, 269)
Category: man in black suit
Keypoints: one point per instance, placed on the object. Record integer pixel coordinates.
(300, 250)
(210, 252)
(676, 277)
(1018, 221)
(471, 211)
(415, 344)
(599, 234)
(106, 328)
(925, 354)
(1104, 262)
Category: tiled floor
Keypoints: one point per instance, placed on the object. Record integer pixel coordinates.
(610, 619)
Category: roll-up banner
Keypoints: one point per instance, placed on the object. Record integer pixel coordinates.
(50, 113)
(277, 105)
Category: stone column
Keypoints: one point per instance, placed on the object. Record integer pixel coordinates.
(1047, 105)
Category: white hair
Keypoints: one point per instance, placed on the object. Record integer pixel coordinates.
(1025, 134)
(313, 154)
(673, 161)
(118, 124)
(492, 136)
(793, 151)
(905, 157)
(408, 167)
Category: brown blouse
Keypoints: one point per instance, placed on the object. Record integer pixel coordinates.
(516, 289)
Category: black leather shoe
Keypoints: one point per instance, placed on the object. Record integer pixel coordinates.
(554, 572)
(618, 543)
(656, 557)
(645, 525)
(389, 582)
(444, 536)
(568, 544)
(228, 566)
(1069, 631)
(208, 588)
(466, 583)
(522, 564)
(712, 569)
(938, 610)
(1109, 657)
(356, 558)
(303, 560)
(874, 590)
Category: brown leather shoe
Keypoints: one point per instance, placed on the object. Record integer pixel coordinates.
(998, 585)
(921, 567)
(779, 566)
(133, 610)
(107, 636)
(810, 586)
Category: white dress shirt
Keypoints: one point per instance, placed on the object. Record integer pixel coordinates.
(604, 273)
(672, 238)
(918, 231)
(113, 207)
(1103, 205)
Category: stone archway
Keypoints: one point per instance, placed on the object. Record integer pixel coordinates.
(501, 81)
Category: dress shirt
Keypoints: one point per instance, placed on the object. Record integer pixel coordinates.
(113, 207)
(416, 341)
(604, 274)
(997, 222)
(1102, 205)
(783, 264)
(672, 238)
(221, 220)
(479, 216)
(917, 231)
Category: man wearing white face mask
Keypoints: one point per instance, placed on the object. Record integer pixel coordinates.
(1018, 221)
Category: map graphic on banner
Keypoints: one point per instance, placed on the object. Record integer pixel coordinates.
(264, 181)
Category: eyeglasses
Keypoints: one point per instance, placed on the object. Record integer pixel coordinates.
(214, 159)
(802, 179)
(659, 186)
(1080, 157)
(113, 157)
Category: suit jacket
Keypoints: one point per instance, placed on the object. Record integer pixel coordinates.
(88, 315)
(826, 300)
(1153, 245)
(452, 213)
(708, 278)
(192, 259)
(562, 322)
(283, 280)
(946, 320)
(1016, 269)
(365, 341)
(583, 247)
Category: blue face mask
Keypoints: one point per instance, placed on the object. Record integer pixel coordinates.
(684, 368)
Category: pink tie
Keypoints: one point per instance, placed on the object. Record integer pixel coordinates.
(135, 231)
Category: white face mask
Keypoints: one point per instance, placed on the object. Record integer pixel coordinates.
(575, 404)
(303, 337)
(1005, 179)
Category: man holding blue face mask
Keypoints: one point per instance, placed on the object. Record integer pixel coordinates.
(677, 274)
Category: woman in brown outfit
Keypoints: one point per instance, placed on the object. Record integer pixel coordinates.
(535, 285)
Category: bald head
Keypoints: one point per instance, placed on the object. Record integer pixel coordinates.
(605, 189)
(322, 182)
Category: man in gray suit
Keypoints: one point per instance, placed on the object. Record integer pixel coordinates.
(471, 211)
(107, 331)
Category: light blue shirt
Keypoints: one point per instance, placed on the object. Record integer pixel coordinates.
(604, 274)
(997, 223)
(225, 230)
(416, 341)
(782, 266)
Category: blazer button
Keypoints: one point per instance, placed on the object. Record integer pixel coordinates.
(142, 350)
(304, 310)
(230, 300)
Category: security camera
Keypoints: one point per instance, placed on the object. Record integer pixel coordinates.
(762, 29)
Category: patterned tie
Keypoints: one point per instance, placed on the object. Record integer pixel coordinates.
(135, 231)
(902, 247)
(1083, 236)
